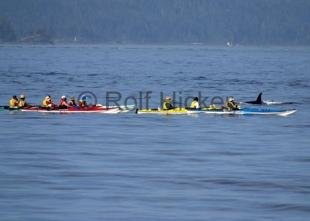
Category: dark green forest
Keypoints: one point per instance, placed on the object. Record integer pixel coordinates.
(244, 22)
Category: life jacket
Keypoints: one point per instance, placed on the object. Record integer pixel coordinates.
(195, 104)
(13, 103)
(231, 105)
(82, 104)
(46, 103)
(72, 103)
(22, 103)
(63, 103)
(167, 105)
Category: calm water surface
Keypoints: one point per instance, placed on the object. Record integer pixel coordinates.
(133, 167)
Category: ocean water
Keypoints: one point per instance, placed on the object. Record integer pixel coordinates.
(134, 167)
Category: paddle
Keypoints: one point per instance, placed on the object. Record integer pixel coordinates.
(4, 107)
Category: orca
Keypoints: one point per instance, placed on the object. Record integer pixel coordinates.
(258, 100)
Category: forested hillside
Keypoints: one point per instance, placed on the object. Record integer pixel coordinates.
(253, 22)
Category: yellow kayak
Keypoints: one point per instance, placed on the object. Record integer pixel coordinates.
(174, 111)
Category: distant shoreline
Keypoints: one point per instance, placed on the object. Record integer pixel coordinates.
(151, 44)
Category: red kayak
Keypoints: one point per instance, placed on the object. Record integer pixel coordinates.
(92, 109)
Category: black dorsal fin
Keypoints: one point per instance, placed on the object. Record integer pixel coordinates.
(259, 98)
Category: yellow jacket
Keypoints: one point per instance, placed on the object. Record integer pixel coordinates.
(22, 103)
(195, 104)
(46, 103)
(13, 103)
(231, 105)
(167, 105)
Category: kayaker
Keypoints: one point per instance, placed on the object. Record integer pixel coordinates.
(167, 103)
(231, 104)
(13, 103)
(63, 104)
(195, 103)
(72, 102)
(83, 104)
(22, 101)
(47, 102)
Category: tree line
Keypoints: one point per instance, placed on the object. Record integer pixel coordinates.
(255, 22)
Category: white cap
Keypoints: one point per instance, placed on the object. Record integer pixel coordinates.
(63, 97)
(22, 96)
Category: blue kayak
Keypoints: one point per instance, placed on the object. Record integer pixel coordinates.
(246, 111)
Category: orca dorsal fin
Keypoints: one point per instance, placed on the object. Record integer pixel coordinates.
(259, 98)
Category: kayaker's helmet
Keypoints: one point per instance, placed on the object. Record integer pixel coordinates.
(84, 98)
(63, 97)
(230, 99)
(22, 96)
(195, 99)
